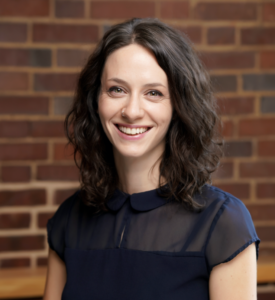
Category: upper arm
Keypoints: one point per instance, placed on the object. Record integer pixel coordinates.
(56, 277)
(236, 279)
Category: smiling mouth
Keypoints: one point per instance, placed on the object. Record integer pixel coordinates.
(132, 131)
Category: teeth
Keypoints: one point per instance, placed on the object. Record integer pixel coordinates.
(132, 131)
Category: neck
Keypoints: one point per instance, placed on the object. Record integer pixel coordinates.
(137, 174)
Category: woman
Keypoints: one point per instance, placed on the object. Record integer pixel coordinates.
(146, 224)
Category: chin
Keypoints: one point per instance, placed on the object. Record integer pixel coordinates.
(131, 154)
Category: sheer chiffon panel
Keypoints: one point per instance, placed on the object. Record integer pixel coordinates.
(219, 232)
(232, 230)
(57, 226)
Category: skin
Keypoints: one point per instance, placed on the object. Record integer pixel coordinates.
(137, 67)
(132, 70)
(236, 279)
(56, 277)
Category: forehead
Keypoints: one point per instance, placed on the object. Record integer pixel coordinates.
(132, 62)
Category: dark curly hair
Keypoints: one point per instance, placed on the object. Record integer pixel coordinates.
(193, 147)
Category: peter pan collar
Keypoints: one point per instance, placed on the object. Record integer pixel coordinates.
(143, 201)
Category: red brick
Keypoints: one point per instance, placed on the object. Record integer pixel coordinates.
(23, 151)
(266, 148)
(61, 195)
(174, 10)
(257, 127)
(267, 104)
(266, 252)
(13, 32)
(238, 148)
(265, 295)
(72, 57)
(25, 57)
(258, 36)
(14, 129)
(257, 169)
(55, 82)
(226, 11)
(47, 129)
(268, 12)
(236, 105)
(69, 9)
(262, 212)
(22, 243)
(42, 261)
(228, 60)
(258, 82)
(62, 33)
(22, 197)
(266, 190)
(221, 35)
(16, 220)
(63, 152)
(63, 104)
(239, 190)
(228, 128)
(43, 219)
(24, 105)
(194, 33)
(24, 8)
(266, 234)
(224, 171)
(57, 172)
(16, 173)
(13, 57)
(122, 9)
(6, 263)
(267, 59)
(13, 81)
(224, 83)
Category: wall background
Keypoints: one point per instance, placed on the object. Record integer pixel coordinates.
(44, 43)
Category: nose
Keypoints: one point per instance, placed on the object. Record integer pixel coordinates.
(133, 109)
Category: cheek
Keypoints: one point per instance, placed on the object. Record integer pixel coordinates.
(164, 116)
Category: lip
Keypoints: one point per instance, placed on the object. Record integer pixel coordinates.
(131, 137)
(132, 126)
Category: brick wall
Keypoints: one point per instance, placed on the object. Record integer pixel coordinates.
(44, 43)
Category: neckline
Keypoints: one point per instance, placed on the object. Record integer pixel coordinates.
(142, 201)
(144, 192)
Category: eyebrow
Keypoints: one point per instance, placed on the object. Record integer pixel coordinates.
(118, 80)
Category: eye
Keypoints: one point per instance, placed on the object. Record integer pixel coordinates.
(155, 93)
(116, 89)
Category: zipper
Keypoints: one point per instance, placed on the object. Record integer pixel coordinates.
(121, 237)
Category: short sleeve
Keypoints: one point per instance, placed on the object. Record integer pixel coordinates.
(56, 227)
(232, 231)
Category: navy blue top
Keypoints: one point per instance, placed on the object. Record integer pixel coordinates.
(147, 247)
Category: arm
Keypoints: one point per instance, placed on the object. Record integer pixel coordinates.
(56, 277)
(236, 279)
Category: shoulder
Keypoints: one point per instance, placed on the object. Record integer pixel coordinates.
(226, 212)
(214, 196)
(233, 212)
(232, 228)
(63, 211)
(56, 225)
(69, 202)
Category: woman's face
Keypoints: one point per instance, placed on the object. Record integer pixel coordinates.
(133, 82)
